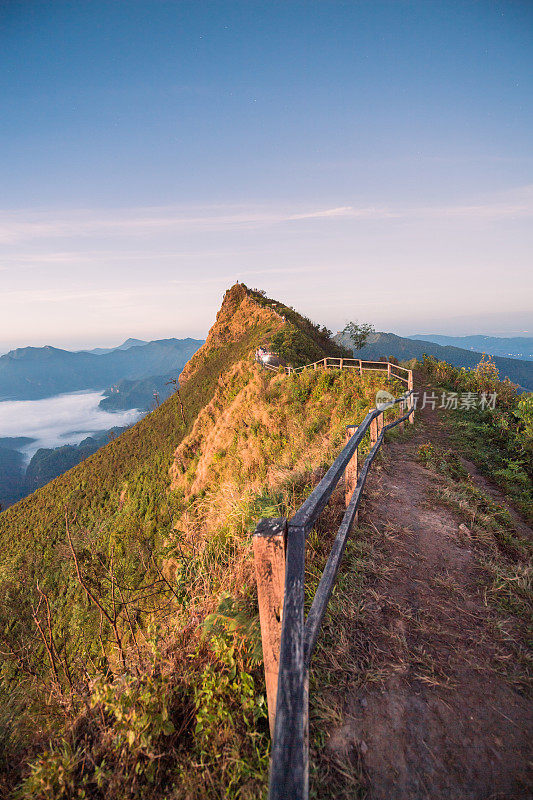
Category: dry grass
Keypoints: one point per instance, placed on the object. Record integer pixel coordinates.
(345, 659)
(250, 455)
(256, 450)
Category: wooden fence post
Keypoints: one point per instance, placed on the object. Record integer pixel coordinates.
(350, 473)
(269, 542)
(388, 370)
(411, 398)
(379, 421)
(341, 363)
(306, 734)
(402, 412)
(325, 363)
(360, 368)
(373, 430)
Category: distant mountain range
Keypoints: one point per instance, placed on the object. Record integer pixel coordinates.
(136, 374)
(101, 351)
(31, 373)
(388, 344)
(511, 347)
(12, 475)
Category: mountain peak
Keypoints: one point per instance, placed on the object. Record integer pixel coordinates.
(248, 319)
(238, 315)
(131, 343)
(34, 352)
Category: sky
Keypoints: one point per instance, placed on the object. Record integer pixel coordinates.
(359, 160)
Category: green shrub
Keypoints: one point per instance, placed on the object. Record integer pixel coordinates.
(229, 710)
(524, 412)
(138, 711)
(446, 462)
(57, 774)
(499, 439)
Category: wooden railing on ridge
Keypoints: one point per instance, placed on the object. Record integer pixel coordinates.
(392, 370)
(279, 552)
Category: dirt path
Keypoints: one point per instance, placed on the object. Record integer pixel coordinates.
(441, 710)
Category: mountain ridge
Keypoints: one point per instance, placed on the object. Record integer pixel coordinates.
(520, 347)
(241, 311)
(381, 344)
(31, 373)
(131, 342)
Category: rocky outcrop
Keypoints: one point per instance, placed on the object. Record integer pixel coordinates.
(238, 314)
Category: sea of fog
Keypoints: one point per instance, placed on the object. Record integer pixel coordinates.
(59, 420)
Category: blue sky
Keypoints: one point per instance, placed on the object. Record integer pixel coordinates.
(359, 160)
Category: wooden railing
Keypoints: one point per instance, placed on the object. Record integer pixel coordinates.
(392, 370)
(289, 639)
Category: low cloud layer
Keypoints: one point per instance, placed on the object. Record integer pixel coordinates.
(56, 421)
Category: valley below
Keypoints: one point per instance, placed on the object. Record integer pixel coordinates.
(40, 439)
(58, 407)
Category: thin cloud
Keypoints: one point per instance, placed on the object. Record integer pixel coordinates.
(102, 296)
(23, 229)
(347, 211)
(77, 257)
(25, 226)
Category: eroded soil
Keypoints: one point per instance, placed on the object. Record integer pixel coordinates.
(429, 681)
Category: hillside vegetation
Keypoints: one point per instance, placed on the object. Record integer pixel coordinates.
(498, 439)
(128, 613)
(132, 662)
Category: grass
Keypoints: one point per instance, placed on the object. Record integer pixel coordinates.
(337, 772)
(503, 554)
(489, 522)
(186, 714)
(481, 442)
(499, 439)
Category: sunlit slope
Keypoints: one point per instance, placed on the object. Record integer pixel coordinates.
(154, 597)
(122, 488)
(95, 484)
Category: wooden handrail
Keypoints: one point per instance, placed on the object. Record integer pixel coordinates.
(289, 772)
(349, 363)
(327, 581)
(311, 508)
